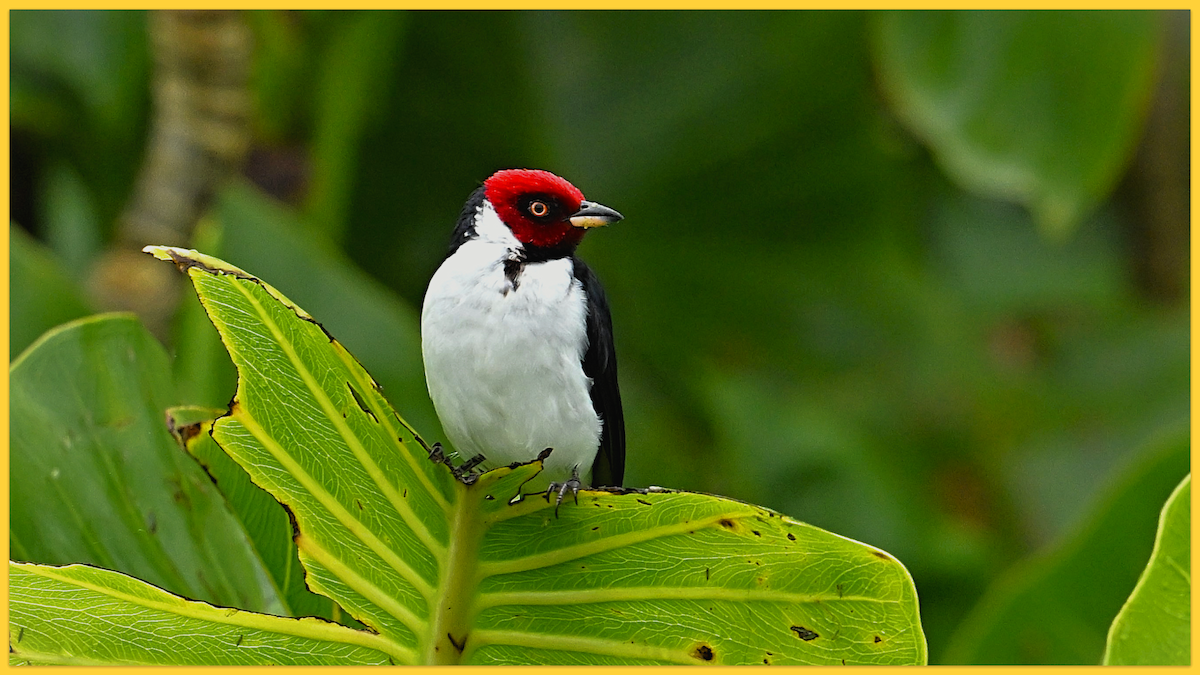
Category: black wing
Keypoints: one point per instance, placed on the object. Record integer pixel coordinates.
(600, 364)
(464, 229)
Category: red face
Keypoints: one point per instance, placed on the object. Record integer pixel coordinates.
(536, 206)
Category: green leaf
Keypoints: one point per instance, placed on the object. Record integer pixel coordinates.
(1154, 626)
(144, 625)
(41, 295)
(265, 521)
(1056, 607)
(69, 219)
(98, 479)
(356, 66)
(1042, 108)
(450, 572)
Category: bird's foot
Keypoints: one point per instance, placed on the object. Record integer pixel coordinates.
(465, 473)
(573, 484)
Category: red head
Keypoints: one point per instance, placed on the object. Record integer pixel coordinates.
(542, 209)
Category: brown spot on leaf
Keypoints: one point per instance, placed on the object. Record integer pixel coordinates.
(878, 639)
(881, 555)
(804, 633)
(727, 524)
(643, 501)
(791, 536)
(703, 652)
(756, 533)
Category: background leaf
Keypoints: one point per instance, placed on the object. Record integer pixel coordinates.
(1043, 108)
(1154, 628)
(357, 69)
(50, 608)
(265, 522)
(1057, 608)
(41, 295)
(102, 481)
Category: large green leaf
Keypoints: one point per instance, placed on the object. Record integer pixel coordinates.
(1043, 108)
(1056, 608)
(98, 479)
(83, 616)
(1154, 628)
(450, 571)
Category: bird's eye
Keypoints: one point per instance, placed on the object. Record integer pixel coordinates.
(539, 209)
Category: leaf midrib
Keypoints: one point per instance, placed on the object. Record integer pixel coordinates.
(490, 599)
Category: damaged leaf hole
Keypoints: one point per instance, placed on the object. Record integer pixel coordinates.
(804, 633)
(361, 403)
(703, 652)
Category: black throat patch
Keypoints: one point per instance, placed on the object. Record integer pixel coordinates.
(514, 264)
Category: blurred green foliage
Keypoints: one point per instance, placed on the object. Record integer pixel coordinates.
(820, 304)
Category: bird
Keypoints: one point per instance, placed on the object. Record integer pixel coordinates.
(516, 335)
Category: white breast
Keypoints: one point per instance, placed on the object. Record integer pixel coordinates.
(503, 363)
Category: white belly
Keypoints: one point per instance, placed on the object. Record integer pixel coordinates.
(504, 364)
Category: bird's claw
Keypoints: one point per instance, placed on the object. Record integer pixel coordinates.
(573, 484)
(465, 471)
